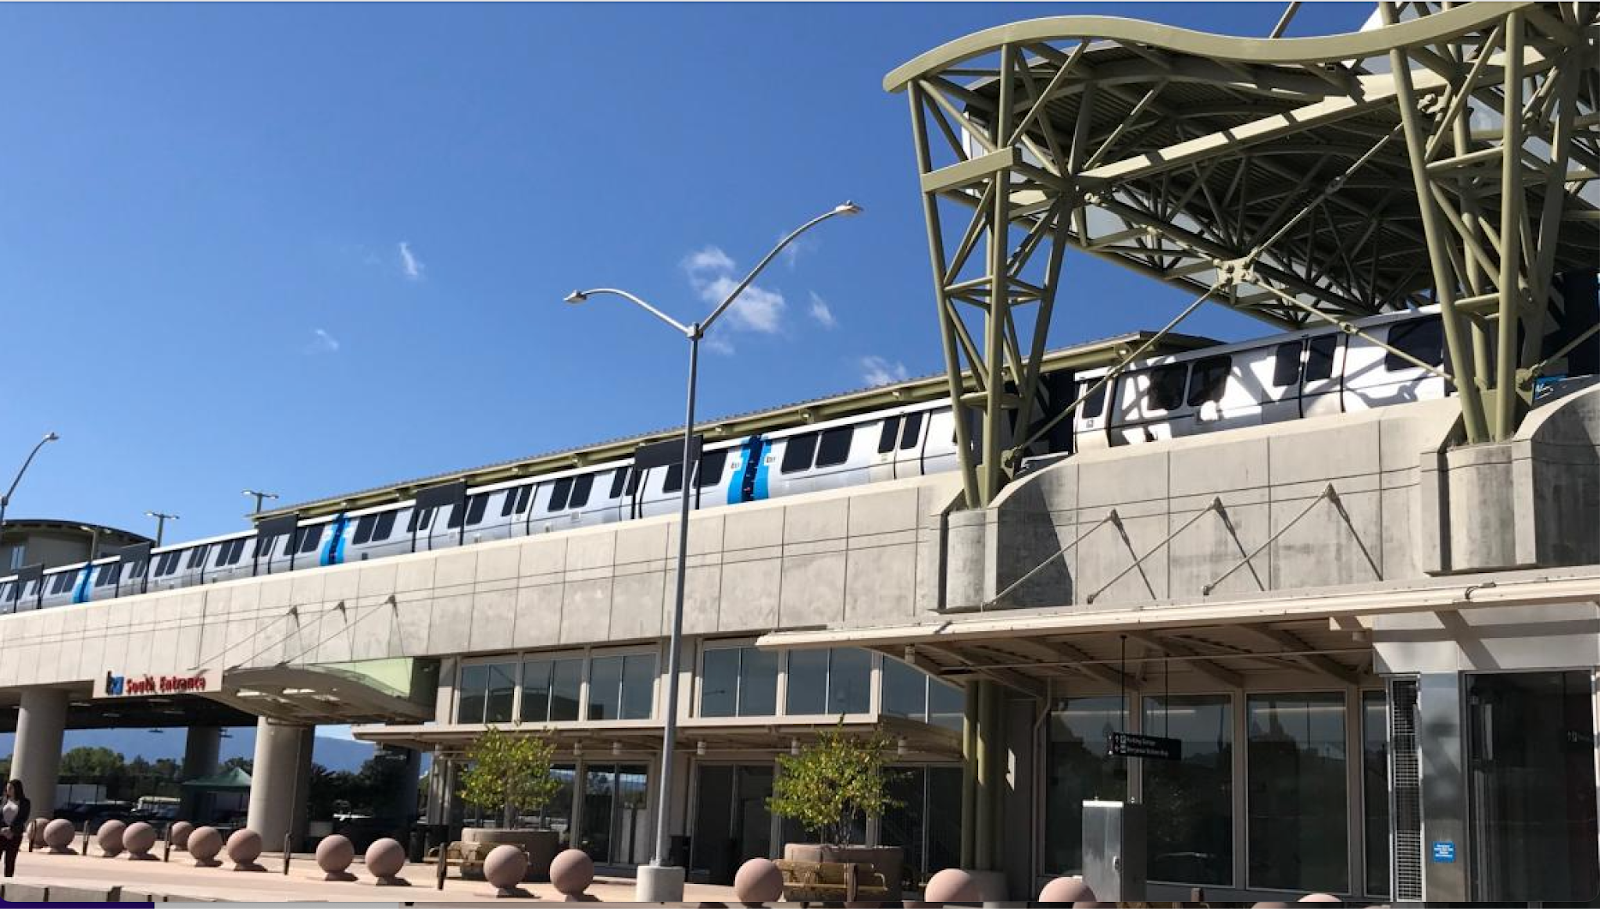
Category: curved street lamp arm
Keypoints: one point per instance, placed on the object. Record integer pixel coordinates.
(578, 296)
(49, 437)
(848, 208)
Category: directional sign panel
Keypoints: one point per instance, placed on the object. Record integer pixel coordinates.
(1129, 744)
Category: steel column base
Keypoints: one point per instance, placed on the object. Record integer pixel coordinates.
(659, 884)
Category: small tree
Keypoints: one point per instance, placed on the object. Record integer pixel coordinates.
(833, 782)
(506, 772)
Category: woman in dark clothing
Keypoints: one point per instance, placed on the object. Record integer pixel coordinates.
(14, 815)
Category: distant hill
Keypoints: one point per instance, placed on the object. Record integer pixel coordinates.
(332, 753)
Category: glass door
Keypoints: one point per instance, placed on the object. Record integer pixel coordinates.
(1531, 765)
(732, 822)
(616, 817)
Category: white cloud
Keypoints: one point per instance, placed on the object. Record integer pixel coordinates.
(321, 343)
(880, 371)
(710, 259)
(718, 345)
(821, 312)
(410, 265)
(711, 275)
(791, 253)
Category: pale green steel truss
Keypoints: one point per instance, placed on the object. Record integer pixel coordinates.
(1449, 156)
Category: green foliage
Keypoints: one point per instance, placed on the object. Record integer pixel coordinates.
(509, 771)
(834, 782)
(92, 763)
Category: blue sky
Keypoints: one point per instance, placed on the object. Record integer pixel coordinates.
(317, 248)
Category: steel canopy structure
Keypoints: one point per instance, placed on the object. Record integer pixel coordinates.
(1302, 181)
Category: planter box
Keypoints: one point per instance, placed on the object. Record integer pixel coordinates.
(886, 860)
(541, 846)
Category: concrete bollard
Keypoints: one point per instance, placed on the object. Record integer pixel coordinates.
(571, 873)
(204, 843)
(504, 868)
(244, 847)
(758, 880)
(384, 859)
(334, 855)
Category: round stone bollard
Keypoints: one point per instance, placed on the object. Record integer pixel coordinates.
(571, 873)
(244, 847)
(952, 885)
(109, 838)
(758, 880)
(1319, 898)
(58, 836)
(178, 835)
(139, 839)
(384, 859)
(334, 855)
(203, 844)
(504, 868)
(1067, 890)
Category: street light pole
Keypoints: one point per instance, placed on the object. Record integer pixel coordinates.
(5, 500)
(655, 884)
(161, 522)
(259, 496)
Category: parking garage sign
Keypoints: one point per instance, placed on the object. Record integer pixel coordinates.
(194, 681)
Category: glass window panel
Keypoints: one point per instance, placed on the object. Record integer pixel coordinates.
(580, 491)
(835, 446)
(1094, 404)
(947, 704)
(905, 690)
(1189, 802)
(807, 689)
(889, 435)
(719, 682)
(1210, 378)
(605, 687)
(797, 452)
(536, 691)
(1319, 357)
(709, 472)
(364, 525)
(673, 482)
(559, 494)
(565, 676)
(1375, 788)
(849, 681)
(1078, 769)
(385, 526)
(638, 686)
(903, 824)
(1296, 774)
(758, 682)
(1166, 387)
(1286, 365)
(912, 433)
(1423, 340)
(501, 693)
(476, 507)
(470, 697)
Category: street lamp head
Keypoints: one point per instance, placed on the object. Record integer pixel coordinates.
(576, 297)
(50, 437)
(848, 208)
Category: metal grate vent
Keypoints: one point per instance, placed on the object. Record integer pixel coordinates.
(1405, 779)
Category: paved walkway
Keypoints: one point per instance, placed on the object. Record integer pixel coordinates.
(181, 880)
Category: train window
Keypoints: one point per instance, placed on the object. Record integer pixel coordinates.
(60, 584)
(912, 433)
(1319, 357)
(168, 563)
(263, 547)
(559, 493)
(1423, 339)
(580, 490)
(1286, 365)
(230, 552)
(889, 436)
(309, 538)
(634, 477)
(197, 555)
(516, 500)
(1165, 391)
(1095, 404)
(420, 519)
(834, 448)
(384, 527)
(108, 574)
(673, 482)
(137, 569)
(617, 480)
(524, 495)
(364, 525)
(709, 472)
(1210, 377)
(797, 452)
(476, 506)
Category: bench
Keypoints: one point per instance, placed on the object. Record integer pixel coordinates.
(469, 857)
(816, 882)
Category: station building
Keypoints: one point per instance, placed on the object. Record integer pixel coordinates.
(1373, 634)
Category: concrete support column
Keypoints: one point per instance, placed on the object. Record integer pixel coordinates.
(279, 781)
(201, 750)
(402, 802)
(36, 758)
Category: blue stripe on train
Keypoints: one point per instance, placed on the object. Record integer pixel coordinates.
(333, 550)
(80, 590)
(762, 447)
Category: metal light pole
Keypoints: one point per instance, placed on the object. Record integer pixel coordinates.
(161, 522)
(670, 889)
(5, 500)
(259, 496)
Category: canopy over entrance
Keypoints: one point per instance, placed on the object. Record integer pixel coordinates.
(1449, 158)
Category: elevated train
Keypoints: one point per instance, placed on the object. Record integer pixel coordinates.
(1286, 377)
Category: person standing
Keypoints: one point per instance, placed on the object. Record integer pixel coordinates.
(14, 810)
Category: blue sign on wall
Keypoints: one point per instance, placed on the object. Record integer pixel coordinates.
(1444, 851)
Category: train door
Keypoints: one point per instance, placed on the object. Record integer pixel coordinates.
(1151, 405)
(1322, 375)
(1378, 377)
